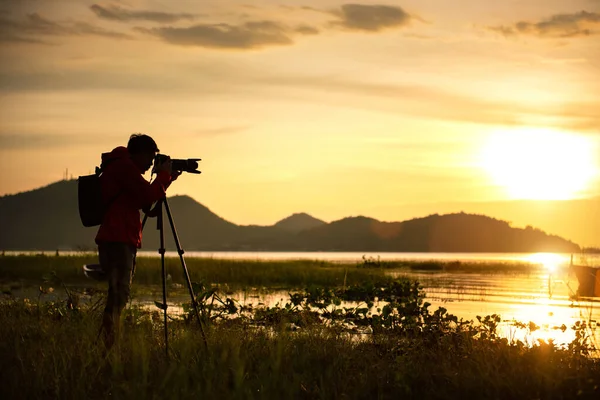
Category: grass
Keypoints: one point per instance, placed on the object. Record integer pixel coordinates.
(51, 350)
(241, 273)
(491, 267)
(235, 273)
(313, 347)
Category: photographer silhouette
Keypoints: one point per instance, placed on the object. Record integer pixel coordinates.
(126, 192)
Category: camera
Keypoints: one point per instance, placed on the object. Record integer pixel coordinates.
(190, 165)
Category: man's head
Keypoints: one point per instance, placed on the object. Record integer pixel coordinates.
(142, 149)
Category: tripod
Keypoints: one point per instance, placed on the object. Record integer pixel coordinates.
(180, 251)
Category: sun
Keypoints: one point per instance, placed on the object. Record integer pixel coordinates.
(540, 164)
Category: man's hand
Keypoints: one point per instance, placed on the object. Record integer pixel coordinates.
(175, 175)
(165, 166)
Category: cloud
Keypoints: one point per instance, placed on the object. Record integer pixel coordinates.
(307, 30)
(250, 35)
(83, 28)
(47, 140)
(8, 37)
(259, 34)
(20, 142)
(233, 36)
(557, 26)
(433, 103)
(116, 13)
(34, 26)
(371, 18)
(226, 130)
(307, 8)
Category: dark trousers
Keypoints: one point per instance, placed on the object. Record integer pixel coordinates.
(118, 262)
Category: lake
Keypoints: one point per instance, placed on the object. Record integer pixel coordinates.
(545, 297)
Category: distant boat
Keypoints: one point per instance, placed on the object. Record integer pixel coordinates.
(588, 278)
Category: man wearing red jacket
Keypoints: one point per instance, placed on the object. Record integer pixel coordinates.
(125, 191)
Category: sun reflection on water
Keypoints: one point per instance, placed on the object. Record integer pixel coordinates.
(543, 321)
(550, 261)
(533, 306)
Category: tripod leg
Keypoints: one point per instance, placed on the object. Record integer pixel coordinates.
(161, 250)
(185, 270)
(144, 221)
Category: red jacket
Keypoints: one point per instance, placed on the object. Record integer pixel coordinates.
(126, 190)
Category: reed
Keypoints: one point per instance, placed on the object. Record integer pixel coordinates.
(51, 351)
(32, 269)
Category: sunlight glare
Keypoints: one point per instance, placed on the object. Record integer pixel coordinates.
(548, 318)
(540, 164)
(550, 261)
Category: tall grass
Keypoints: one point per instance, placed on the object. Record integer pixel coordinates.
(240, 273)
(53, 352)
(235, 273)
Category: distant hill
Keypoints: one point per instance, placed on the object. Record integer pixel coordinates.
(299, 222)
(435, 233)
(573, 218)
(47, 219)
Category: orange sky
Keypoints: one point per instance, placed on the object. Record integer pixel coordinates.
(375, 108)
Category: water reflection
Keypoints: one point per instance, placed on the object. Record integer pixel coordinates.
(547, 297)
(550, 261)
(548, 300)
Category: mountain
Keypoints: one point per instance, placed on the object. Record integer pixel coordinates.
(458, 232)
(567, 218)
(299, 222)
(47, 218)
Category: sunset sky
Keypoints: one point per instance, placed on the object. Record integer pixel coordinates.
(377, 108)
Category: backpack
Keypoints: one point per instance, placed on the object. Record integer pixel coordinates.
(89, 196)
